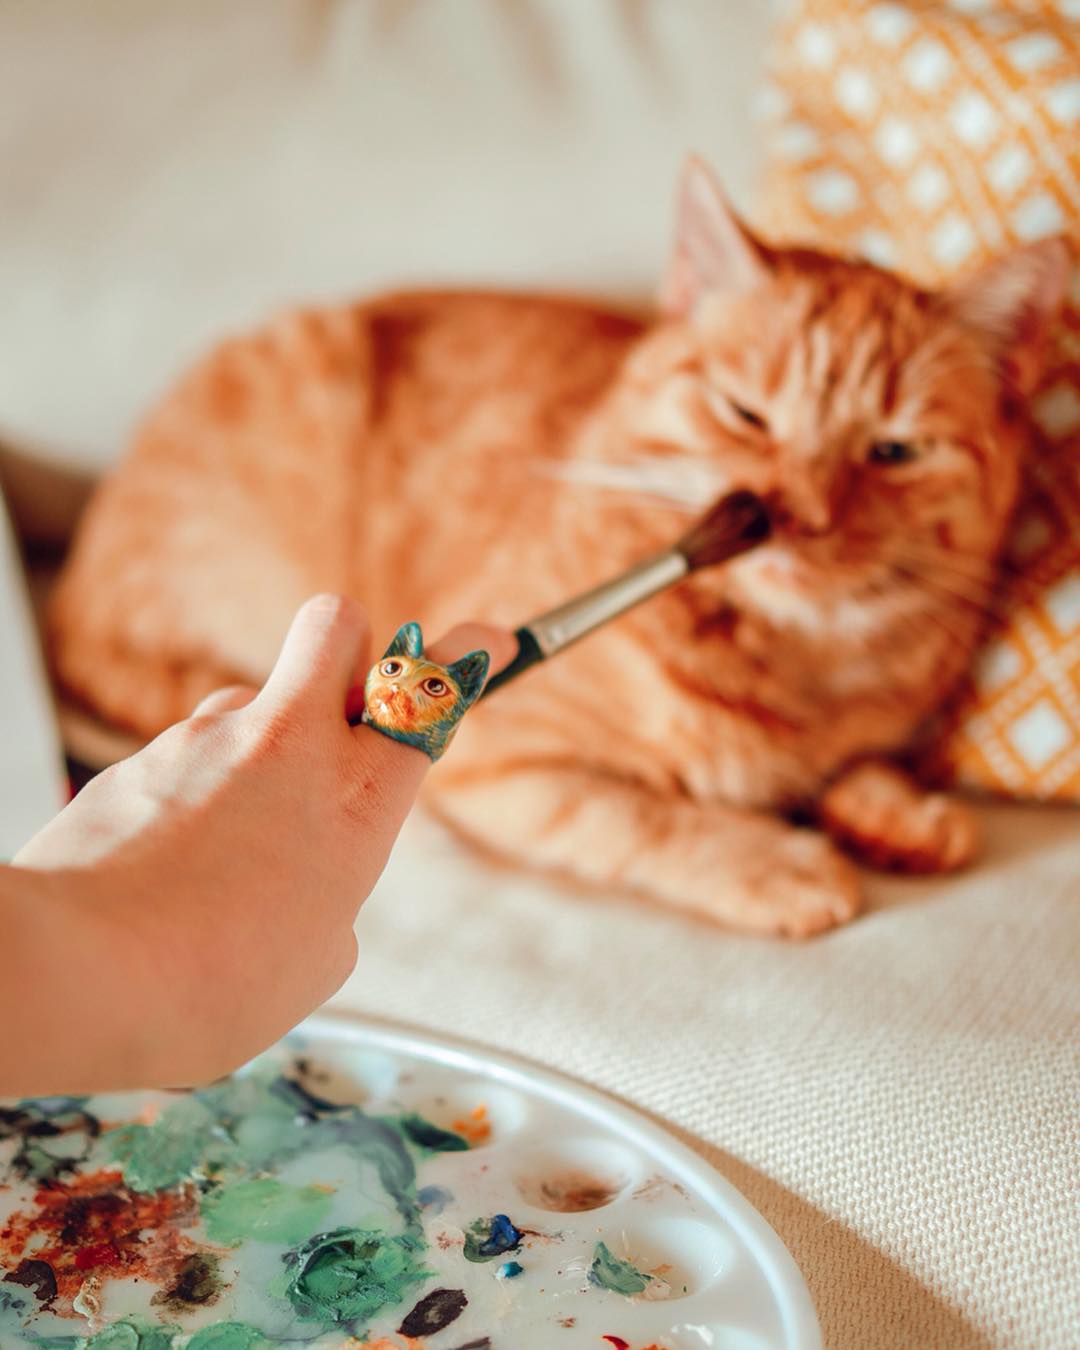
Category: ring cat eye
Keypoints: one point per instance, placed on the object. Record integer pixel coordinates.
(892, 452)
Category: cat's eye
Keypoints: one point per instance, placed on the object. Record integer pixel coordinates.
(749, 416)
(726, 408)
(892, 452)
(390, 668)
(435, 687)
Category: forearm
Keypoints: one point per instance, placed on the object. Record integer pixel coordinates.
(78, 1006)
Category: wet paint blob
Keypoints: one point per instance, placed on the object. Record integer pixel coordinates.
(510, 1270)
(37, 1276)
(621, 1277)
(351, 1273)
(434, 1311)
(617, 1342)
(489, 1238)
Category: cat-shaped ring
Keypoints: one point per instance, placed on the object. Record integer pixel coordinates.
(412, 699)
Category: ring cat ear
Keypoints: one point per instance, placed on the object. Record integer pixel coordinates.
(713, 250)
(1011, 303)
(408, 641)
(470, 672)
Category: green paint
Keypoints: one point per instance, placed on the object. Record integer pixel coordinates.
(120, 1336)
(182, 1141)
(351, 1273)
(621, 1277)
(132, 1335)
(227, 1336)
(432, 1137)
(266, 1210)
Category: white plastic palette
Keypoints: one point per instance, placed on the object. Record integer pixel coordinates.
(324, 1197)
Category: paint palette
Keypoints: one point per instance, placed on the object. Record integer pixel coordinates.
(366, 1187)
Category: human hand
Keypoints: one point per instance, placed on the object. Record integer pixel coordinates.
(212, 879)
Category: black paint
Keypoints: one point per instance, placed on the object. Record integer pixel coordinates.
(484, 1343)
(435, 1311)
(37, 1276)
(48, 1119)
(432, 1137)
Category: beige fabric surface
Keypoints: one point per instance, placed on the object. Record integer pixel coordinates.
(901, 1099)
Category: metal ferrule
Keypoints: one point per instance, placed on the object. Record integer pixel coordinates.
(558, 628)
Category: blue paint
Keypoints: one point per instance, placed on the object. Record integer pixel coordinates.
(488, 1238)
(509, 1271)
(434, 1198)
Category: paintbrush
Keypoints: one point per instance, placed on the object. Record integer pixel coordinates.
(736, 523)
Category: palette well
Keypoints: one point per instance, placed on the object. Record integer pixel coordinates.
(368, 1187)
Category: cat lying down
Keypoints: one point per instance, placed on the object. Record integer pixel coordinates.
(415, 451)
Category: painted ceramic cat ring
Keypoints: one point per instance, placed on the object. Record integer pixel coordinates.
(412, 699)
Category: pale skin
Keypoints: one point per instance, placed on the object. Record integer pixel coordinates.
(197, 900)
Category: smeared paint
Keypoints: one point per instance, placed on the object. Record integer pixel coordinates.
(429, 1136)
(171, 1150)
(617, 1342)
(53, 1136)
(484, 1343)
(434, 1199)
(509, 1270)
(488, 1238)
(93, 1226)
(621, 1277)
(351, 1273)
(197, 1284)
(434, 1311)
(265, 1210)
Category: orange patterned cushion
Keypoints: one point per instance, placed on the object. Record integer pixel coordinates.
(927, 137)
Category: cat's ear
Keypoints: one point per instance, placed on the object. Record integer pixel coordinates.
(713, 249)
(408, 641)
(470, 673)
(1012, 302)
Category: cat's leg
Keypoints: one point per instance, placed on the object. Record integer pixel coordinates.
(879, 814)
(744, 869)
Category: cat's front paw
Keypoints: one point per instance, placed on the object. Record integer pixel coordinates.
(887, 821)
(805, 888)
(780, 882)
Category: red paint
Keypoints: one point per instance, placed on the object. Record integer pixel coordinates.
(617, 1342)
(93, 1225)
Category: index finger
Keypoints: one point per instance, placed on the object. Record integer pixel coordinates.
(325, 646)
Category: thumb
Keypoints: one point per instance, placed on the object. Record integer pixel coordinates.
(388, 773)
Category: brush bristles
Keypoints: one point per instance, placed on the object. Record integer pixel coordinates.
(737, 522)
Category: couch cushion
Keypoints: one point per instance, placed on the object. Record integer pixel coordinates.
(926, 138)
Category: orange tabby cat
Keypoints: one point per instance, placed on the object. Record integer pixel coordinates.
(391, 450)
